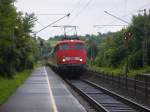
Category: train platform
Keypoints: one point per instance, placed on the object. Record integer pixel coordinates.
(43, 91)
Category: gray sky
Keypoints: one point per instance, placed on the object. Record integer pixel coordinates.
(84, 13)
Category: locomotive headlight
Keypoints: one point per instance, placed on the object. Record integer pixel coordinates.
(63, 60)
(81, 59)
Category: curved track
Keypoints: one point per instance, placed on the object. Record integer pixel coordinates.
(104, 100)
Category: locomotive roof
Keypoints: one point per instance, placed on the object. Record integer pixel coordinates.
(68, 41)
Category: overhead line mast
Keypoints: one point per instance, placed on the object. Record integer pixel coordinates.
(128, 35)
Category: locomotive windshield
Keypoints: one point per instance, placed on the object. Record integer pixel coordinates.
(78, 46)
(69, 46)
(64, 46)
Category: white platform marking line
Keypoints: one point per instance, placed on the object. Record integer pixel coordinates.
(51, 93)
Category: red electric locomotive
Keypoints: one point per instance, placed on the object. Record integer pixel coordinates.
(70, 56)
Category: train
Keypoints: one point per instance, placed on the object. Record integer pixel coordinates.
(69, 56)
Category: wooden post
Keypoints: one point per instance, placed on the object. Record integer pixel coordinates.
(119, 81)
(112, 78)
(135, 85)
(126, 83)
(146, 87)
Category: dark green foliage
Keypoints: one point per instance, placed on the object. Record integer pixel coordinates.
(115, 51)
(92, 48)
(18, 50)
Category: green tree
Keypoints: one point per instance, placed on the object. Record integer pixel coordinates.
(18, 49)
(116, 51)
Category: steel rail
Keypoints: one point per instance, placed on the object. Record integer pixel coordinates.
(119, 97)
(99, 98)
(95, 104)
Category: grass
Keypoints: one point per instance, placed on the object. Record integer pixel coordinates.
(117, 71)
(9, 86)
(106, 70)
(139, 71)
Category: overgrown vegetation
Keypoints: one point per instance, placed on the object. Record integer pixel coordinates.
(125, 50)
(119, 71)
(18, 49)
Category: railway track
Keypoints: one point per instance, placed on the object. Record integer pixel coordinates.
(104, 100)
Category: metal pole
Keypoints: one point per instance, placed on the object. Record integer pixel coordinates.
(145, 42)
